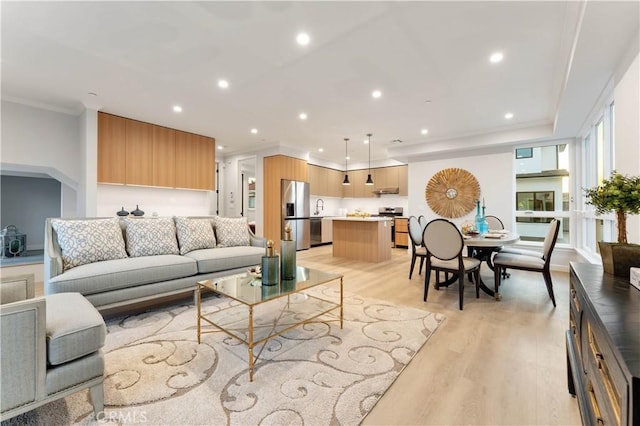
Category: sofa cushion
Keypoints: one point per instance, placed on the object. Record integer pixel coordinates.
(149, 237)
(232, 231)
(86, 241)
(194, 234)
(74, 328)
(224, 258)
(122, 273)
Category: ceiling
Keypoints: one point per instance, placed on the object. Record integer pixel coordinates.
(429, 59)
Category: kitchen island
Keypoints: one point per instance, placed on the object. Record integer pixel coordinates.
(362, 238)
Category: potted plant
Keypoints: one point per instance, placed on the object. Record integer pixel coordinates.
(619, 194)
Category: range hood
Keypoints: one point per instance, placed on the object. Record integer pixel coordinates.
(392, 190)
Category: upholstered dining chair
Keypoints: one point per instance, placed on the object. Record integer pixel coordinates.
(417, 248)
(422, 220)
(494, 222)
(444, 243)
(529, 260)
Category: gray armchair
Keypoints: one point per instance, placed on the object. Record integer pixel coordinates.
(50, 347)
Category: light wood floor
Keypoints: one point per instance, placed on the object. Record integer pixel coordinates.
(494, 363)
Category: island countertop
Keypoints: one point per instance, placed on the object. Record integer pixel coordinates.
(361, 218)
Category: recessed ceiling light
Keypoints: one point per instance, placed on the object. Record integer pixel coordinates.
(376, 94)
(254, 131)
(177, 108)
(496, 57)
(221, 147)
(303, 116)
(223, 84)
(366, 141)
(348, 158)
(303, 39)
(320, 149)
(508, 115)
(424, 131)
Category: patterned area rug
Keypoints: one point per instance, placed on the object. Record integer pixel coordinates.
(316, 374)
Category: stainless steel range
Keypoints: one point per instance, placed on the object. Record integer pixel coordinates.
(391, 212)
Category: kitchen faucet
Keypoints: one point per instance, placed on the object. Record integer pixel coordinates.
(320, 200)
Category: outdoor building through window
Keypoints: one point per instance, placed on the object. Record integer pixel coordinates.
(542, 191)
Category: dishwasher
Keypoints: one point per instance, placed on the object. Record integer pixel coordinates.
(316, 231)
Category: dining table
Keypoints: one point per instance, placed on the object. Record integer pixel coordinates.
(482, 247)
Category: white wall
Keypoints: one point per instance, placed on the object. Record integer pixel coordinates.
(162, 201)
(494, 173)
(38, 140)
(627, 134)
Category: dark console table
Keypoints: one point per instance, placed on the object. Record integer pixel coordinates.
(603, 347)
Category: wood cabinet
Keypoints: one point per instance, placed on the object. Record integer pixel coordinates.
(403, 180)
(401, 232)
(328, 182)
(367, 240)
(276, 168)
(139, 153)
(603, 346)
(136, 153)
(164, 157)
(111, 148)
(195, 161)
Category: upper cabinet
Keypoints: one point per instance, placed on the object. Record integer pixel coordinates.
(328, 182)
(137, 153)
(195, 161)
(111, 148)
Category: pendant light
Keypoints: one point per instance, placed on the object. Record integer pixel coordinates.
(369, 179)
(346, 157)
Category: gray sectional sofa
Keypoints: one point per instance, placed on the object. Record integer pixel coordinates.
(115, 262)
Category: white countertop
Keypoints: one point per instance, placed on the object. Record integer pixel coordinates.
(367, 219)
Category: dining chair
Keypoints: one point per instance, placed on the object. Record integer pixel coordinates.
(529, 260)
(417, 248)
(494, 222)
(422, 220)
(444, 243)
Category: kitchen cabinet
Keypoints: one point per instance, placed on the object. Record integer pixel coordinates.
(401, 232)
(334, 183)
(139, 153)
(111, 148)
(318, 180)
(164, 157)
(603, 346)
(195, 161)
(327, 230)
(364, 239)
(403, 180)
(385, 177)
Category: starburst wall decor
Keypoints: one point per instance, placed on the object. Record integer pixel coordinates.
(452, 192)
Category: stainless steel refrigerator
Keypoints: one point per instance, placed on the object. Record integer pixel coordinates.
(295, 212)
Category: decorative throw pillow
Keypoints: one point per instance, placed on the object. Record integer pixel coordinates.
(88, 241)
(232, 231)
(194, 234)
(149, 237)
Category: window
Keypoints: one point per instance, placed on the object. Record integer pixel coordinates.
(524, 153)
(542, 191)
(598, 162)
(536, 201)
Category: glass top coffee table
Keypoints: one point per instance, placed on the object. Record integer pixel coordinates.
(261, 312)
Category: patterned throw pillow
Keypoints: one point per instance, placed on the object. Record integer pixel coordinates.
(194, 234)
(88, 241)
(232, 231)
(149, 237)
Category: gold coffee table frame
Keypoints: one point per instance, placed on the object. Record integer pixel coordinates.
(246, 289)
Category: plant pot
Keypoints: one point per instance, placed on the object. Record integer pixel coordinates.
(617, 258)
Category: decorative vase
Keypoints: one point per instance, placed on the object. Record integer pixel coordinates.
(287, 256)
(618, 258)
(484, 225)
(479, 218)
(270, 266)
